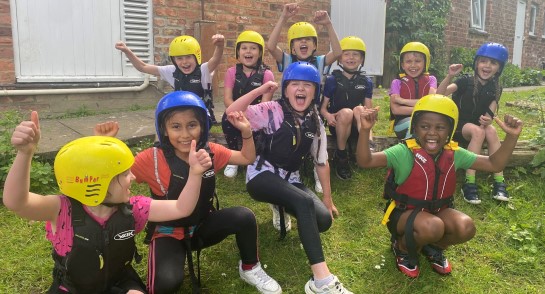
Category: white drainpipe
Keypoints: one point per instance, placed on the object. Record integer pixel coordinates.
(139, 88)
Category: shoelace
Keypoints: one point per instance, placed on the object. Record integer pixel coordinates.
(262, 275)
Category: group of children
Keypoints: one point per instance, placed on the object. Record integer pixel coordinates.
(272, 138)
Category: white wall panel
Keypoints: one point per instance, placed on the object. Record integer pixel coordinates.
(365, 19)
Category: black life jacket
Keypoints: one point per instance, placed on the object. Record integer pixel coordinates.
(190, 82)
(282, 148)
(99, 256)
(243, 84)
(349, 93)
(178, 179)
(471, 109)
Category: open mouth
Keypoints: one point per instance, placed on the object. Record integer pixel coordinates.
(300, 99)
(303, 49)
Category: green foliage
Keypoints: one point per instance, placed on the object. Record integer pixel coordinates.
(513, 76)
(418, 20)
(464, 56)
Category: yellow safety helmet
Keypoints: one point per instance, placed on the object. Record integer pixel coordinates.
(185, 45)
(301, 30)
(415, 47)
(439, 104)
(354, 43)
(85, 167)
(250, 37)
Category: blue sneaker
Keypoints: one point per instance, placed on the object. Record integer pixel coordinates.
(500, 191)
(470, 193)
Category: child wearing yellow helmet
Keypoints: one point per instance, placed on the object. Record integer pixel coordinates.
(303, 40)
(249, 73)
(94, 177)
(343, 91)
(413, 83)
(422, 181)
(477, 97)
(187, 71)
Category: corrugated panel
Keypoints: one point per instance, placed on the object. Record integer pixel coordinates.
(365, 19)
(137, 28)
(73, 41)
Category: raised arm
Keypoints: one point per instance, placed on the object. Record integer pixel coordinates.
(288, 11)
(322, 17)
(218, 41)
(17, 196)
(447, 87)
(140, 65)
(246, 155)
(497, 161)
(165, 210)
(366, 119)
(241, 104)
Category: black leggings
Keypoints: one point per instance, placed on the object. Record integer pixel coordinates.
(167, 255)
(312, 215)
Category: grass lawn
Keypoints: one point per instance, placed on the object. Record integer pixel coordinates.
(505, 256)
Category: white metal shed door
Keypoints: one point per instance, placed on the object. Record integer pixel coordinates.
(365, 19)
(67, 40)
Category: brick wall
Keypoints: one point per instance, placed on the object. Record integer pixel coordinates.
(7, 67)
(499, 27)
(230, 18)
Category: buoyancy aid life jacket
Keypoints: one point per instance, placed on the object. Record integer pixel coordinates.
(178, 179)
(287, 147)
(471, 108)
(349, 93)
(100, 256)
(244, 84)
(412, 89)
(190, 82)
(429, 187)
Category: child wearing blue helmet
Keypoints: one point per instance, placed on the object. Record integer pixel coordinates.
(180, 118)
(477, 98)
(293, 129)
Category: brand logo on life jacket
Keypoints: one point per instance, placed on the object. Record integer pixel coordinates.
(194, 81)
(208, 174)
(256, 84)
(309, 135)
(406, 79)
(124, 235)
(360, 87)
(419, 156)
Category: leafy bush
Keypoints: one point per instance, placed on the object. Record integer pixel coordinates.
(513, 76)
(464, 56)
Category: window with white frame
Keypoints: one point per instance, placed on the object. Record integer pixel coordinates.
(532, 25)
(478, 14)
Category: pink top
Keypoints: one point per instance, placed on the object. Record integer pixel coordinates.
(62, 238)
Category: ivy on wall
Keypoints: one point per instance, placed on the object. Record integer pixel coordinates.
(417, 20)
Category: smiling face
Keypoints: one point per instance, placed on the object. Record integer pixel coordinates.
(249, 54)
(186, 63)
(432, 131)
(303, 48)
(182, 126)
(487, 68)
(300, 94)
(351, 59)
(413, 64)
(118, 190)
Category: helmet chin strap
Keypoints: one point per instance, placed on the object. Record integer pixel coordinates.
(352, 72)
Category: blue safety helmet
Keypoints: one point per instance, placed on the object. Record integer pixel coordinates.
(181, 99)
(495, 51)
(302, 71)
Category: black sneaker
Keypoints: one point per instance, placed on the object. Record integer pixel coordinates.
(438, 261)
(343, 170)
(500, 191)
(470, 193)
(403, 264)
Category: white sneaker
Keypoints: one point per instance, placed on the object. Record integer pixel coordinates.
(231, 171)
(334, 287)
(276, 218)
(317, 185)
(258, 277)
